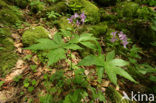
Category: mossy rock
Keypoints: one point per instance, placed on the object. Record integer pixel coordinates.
(63, 23)
(99, 29)
(90, 10)
(127, 9)
(59, 7)
(9, 17)
(8, 56)
(30, 36)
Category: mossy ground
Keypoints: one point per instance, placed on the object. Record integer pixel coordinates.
(8, 57)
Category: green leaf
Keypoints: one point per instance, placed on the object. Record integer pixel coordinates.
(123, 73)
(92, 60)
(56, 55)
(86, 37)
(26, 84)
(58, 39)
(89, 44)
(88, 61)
(44, 44)
(100, 72)
(119, 62)
(30, 89)
(34, 82)
(73, 47)
(111, 74)
(110, 55)
(1, 83)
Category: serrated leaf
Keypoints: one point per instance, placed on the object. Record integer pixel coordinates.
(56, 55)
(86, 37)
(110, 55)
(89, 44)
(44, 44)
(73, 47)
(88, 61)
(123, 73)
(111, 74)
(100, 72)
(119, 62)
(58, 39)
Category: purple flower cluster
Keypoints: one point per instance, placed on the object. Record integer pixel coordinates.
(79, 19)
(121, 37)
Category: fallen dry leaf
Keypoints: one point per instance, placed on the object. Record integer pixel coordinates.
(7, 95)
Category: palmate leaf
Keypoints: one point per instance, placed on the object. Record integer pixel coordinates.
(89, 44)
(55, 55)
(73, 47)
(44, 44)
(111, 66)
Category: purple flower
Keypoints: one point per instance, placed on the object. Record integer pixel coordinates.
(113, 40)
(76, 15)
(77, 22)
(70, 20)
(124, 43)
(122, 36)
(123, 39)
(114, 37)
(83, 17)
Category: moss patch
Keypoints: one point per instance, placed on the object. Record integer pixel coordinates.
(99, 29)
(9, 17)
(58, 7)
(127, 9)
(63, 23)
(8, 56)
(91, 11)
(30, 36)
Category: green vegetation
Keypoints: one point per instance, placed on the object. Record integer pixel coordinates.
(77, 51)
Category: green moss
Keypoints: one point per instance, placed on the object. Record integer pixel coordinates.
(37, 6)
(91, 11)
(99, 29)
(8, 56)
(63, 23)
(3, 4)
(4, 32)
(58, 7)
(30, 36)
(9, 17)
(127, 9)
(20, 3)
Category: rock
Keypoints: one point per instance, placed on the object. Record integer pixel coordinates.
(30, 36)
